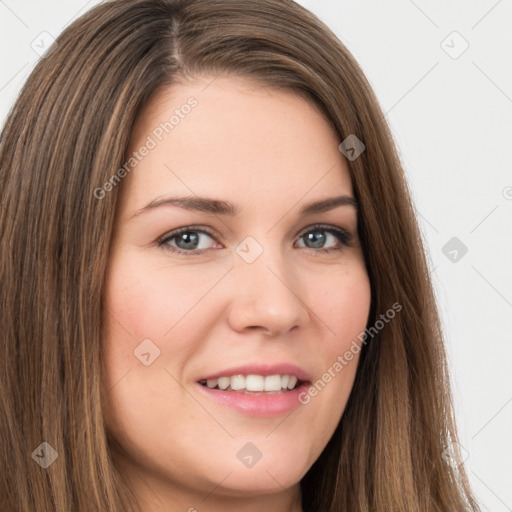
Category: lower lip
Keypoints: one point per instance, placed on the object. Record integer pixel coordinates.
(257, 404)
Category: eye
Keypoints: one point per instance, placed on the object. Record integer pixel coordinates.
(187, 240)
(191, 240)
(317, 237)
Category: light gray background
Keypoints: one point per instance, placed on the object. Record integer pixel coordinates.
(451, 115)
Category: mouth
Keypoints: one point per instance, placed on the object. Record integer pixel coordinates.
(254, 384)
(257, 389)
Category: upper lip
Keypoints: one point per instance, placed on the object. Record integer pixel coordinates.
(261, 369)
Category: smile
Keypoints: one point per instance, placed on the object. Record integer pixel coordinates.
(253, 383)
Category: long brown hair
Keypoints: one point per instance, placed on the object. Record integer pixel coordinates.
(68, 133)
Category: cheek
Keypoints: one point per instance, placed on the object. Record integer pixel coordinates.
(144, 302)
(166, 305)
(344, 305)
(347, 312)
(150, 301)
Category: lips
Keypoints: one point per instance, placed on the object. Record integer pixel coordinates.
(260, 402)
(256, 404)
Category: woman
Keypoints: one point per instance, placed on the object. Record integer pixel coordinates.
(214, 292)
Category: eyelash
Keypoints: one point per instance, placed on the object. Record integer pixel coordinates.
(343, 236)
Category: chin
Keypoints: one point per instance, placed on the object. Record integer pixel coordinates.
(257, 482)
(267, 475)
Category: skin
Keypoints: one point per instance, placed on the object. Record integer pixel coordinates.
(269, 152)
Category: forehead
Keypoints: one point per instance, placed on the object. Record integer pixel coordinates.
(228, 136)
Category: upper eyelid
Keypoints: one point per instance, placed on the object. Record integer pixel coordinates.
(320, 226)
(185, 229)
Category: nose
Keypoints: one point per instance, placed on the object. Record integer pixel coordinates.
(266, 299)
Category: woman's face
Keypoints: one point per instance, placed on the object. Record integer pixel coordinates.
(249, 286)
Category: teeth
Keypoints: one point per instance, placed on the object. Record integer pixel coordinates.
(237, 382)
(291, 382)
(253, 382)
(223, 382)
(273, 383)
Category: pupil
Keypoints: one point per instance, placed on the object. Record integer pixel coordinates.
(317, 238)
(191, 239)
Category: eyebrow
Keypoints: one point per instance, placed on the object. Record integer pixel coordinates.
(218, 207)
